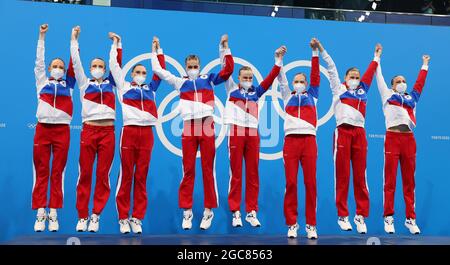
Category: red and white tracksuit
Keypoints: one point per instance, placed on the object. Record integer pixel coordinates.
(196, 108)
(350, 143)
(52, 136)
(98, 103)
(400, 146)
(136, 140)
(300, 146)
(241, 113)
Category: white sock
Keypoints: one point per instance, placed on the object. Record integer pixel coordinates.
(188, 210)
(41, 211)
(207, 211)
(53, 212)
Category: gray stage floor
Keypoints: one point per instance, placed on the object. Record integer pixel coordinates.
(102, 239)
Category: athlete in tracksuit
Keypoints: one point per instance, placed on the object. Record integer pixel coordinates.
(97, 136)
(399, 109)
(300, 146)
(52, 135)
(196, 107)
(350, 143)
(136, 141)
(241, 114)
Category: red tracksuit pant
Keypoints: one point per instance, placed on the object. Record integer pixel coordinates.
(350, 144)
(198, 132)
(136, 144)
(399, 146)
(96, 141)
(49, 139)
(300, 148)
(243, 143)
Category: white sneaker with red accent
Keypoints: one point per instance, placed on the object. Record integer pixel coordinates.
(292, 231)
(412, 226)
(208, 216)
(237, 221)
(136, 225)
(252, 219)
(311, 231)
(41, 217)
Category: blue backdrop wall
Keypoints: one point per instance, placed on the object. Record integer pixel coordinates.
(253, 39)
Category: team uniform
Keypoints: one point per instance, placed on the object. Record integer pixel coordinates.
(300, 145)
(196, 108)
(350, 143)
(98, 103)
(241, 114)
(52, 135)
(400, 109)
(136, 141)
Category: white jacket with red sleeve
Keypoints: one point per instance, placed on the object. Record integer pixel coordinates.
(97, 99)
(400, 108)
(350, 108)
(196, 95)
(54, 96)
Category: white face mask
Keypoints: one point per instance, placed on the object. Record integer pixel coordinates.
(97, 73)
(246, 85)
(139, 79)
(353, 83)
(56, 73)
(299, 87)
(193, 73)
(401, 88)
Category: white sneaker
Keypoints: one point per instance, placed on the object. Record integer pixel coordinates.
(207, 219)
(82, 225)
(360, 224)
(389, 224)
(124, 226)
(94, 223)
(311, 231)
(53, 225)
(136, 225)
(344, 223)
(41, 217)
(412, 226)
(237, 221)
(292, 231)
(252, 219)
(187, 219)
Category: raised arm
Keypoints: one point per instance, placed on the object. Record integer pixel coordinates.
(156, 48)
(372, 68)
(267, 82)
(114, 65)
(227, 63)
(118, 55)
(174, 81)
(315, 70)
(39, 68)
(382, 86)
(284, 85)
(420, 82)
(335, 82)
(70, 75)
(75, 55)
(230, 85)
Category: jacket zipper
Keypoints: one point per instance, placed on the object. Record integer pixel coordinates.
(101, 93)
(54, 98)
(195, 89)
(299, 102)
(246, 99)
(142, 100)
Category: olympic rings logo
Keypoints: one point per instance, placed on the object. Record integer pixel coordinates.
(274, 93)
